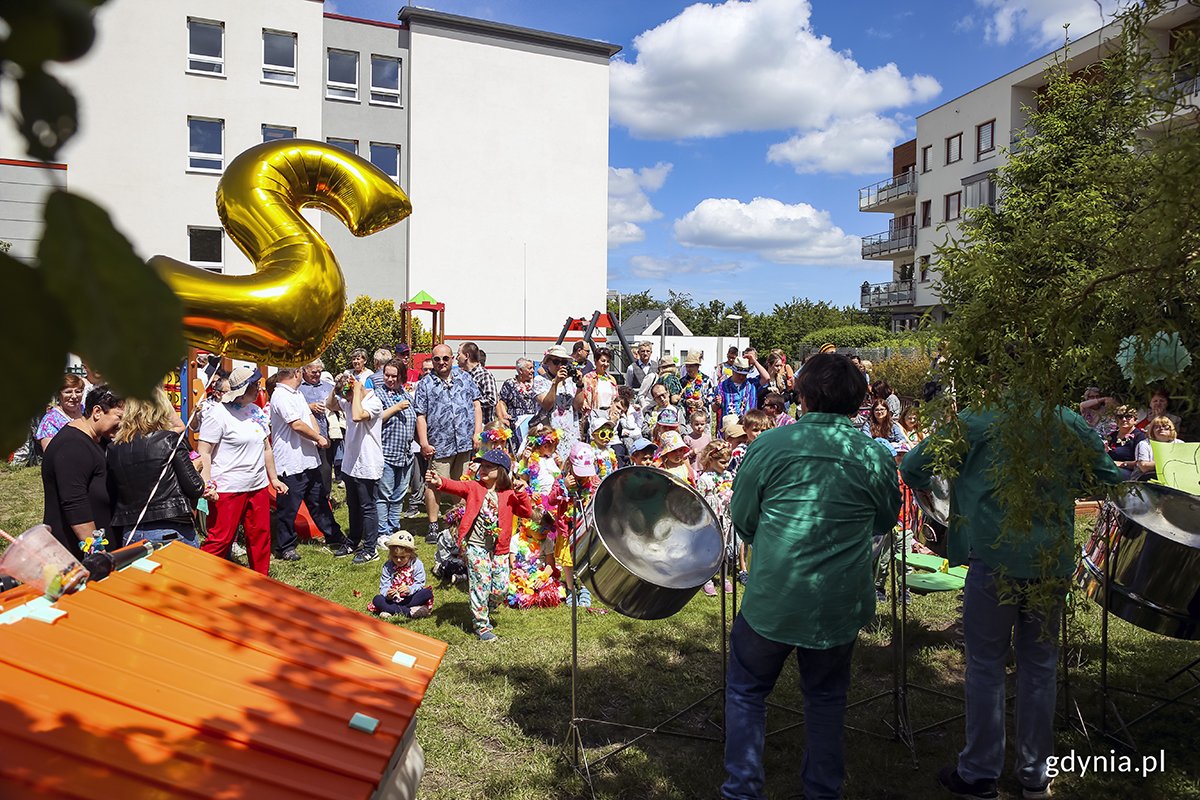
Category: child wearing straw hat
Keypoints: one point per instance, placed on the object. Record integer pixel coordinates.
(402, 589)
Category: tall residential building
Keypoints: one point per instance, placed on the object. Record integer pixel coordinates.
(499, 135)
(949, 168)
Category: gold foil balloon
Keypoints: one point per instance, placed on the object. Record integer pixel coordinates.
(287, 311)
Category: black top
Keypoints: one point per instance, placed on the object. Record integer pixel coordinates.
(74, 483)
(134, 468)
(1124, 448)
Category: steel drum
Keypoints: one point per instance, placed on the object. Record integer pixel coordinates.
(1154, 565)
(934, 502)
(647, 543)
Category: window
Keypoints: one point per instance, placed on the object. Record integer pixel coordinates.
(923, 264)
(273, 133)
(387, 158)
(980, 191)
(279, 57)
(927, 158)
(985, 139)
(954, 148)
(906, 272)
(349, 145)
(953, 206)
(385, 80)
(670, 329)
(926, 213)
(205, 144)
(206, 47)
(206, 248)
(342, 83)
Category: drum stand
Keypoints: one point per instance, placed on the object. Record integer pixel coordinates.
(578, 756)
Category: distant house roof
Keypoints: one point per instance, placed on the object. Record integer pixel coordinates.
(202, 679)
(645, 323)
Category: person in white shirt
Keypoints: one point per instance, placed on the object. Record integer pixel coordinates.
(362, 463)
(296, 441)
(237, 461)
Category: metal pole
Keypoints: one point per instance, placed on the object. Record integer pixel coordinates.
(662, 335)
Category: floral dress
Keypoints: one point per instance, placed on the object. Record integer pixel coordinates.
(531, 582)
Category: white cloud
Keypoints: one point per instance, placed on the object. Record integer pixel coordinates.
(859, 145)
(1041, 21)
(777, 231)
(655, 268)
(748, 65)
(629, 201)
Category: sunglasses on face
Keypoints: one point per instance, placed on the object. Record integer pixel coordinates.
(1128, 416)
(440, 358)
(603, 433)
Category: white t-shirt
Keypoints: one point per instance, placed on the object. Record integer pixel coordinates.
(293, 452)
(238, 435)
(362, 450)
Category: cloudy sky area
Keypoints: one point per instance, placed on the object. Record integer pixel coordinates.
(741, 131)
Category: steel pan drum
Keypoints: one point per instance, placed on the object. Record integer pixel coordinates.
(934, 503)
(1154, 566)
(648, 543)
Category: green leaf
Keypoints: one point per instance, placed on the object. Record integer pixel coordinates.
(48, 114)
(129, 319)
(35, 319)
(47, 30)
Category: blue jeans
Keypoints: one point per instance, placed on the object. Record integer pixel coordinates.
(754, 666)
(393, 488)
(988, 632)
(158, 532)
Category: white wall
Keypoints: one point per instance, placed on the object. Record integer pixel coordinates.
(23, 192)
(508, 179)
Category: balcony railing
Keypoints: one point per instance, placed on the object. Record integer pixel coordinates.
(897, 187)
(884, 245)
(886, 295)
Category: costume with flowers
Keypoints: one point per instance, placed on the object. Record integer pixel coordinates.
(531, 582)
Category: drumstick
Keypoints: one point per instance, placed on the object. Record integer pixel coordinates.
(11, 540)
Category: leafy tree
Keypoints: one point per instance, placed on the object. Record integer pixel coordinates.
(907, 375)
(846, 336)
(370, 324)
(1093, 240)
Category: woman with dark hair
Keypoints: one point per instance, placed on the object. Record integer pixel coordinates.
(144, 444)
(1160, 404)
(1122, 443)
(599, 387)
(68, 406)
(882, 391)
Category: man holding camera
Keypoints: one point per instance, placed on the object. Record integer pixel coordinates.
(560, 397)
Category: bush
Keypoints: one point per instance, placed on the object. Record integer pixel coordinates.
(370, 324)
(846, 336)
(906, 374)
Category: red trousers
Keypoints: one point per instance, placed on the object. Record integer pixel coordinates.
(253, 511)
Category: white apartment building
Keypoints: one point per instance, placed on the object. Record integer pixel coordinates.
(948, 168)
(498, 134)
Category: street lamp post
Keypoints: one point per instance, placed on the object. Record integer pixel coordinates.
(737, 317)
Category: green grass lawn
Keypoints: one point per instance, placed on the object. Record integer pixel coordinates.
(495, 719)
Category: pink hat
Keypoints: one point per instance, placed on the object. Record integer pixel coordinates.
(583, 460)
(669, 442)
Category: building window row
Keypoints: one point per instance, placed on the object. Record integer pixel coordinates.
(384, 155)
(206, 56)
(985, 145)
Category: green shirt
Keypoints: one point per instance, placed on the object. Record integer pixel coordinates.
(976, 517)
(809, 497)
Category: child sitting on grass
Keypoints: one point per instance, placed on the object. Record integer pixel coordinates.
(484, 534)
(402, 589)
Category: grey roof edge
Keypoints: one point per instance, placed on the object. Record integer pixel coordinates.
(411, 14)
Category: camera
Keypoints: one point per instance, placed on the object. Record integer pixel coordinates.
(575, 372)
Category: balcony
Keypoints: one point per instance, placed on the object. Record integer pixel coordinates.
(888, 295)
(890, 244)
(894, 193)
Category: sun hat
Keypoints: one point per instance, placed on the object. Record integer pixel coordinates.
(829, 347)
(693, 357)
(731, 427)
(401, 539)
(239, 379)
(597, 420)
(497, 457)
(670, 442)
(556, 351)
(741, 366)
(667, 417)
(583, 460)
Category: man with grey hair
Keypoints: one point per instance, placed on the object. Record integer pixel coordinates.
(382, 356)
(640, 367)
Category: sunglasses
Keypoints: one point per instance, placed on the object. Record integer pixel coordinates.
(1128, 416)
(603, 434)
(440, 358)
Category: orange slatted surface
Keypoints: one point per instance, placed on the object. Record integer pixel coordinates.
(205, 680)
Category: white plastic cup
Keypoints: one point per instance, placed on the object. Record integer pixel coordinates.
(39, 560)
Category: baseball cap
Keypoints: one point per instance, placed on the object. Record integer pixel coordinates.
(583, 460)
(597, 420)
(497, 457)
(239, 379)
(403, 348)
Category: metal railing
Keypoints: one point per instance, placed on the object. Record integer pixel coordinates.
(894, 241)
(893, 188)
(893, 293)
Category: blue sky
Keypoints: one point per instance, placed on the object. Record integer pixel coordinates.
(740, 132)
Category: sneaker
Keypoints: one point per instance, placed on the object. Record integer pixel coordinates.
(432, 536)
(977, 790)
(237, 550)
(488, 636)
(457, 577)
(584, 597)
(743, 576)
(728, 586)
(420, 612)
(880, 596)
(342, 550)
(386, 615)
(289, 555)
(1034, 793)
(710, 589)
(366, 556)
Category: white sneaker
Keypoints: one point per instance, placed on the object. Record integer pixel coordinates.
(237, 550)
(420, 612)
(385, 615)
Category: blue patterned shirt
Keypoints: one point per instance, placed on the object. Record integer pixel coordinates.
(449, 411)
(398, 429)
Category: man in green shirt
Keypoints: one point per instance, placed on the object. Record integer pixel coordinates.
(1014, 563)
(808, 497)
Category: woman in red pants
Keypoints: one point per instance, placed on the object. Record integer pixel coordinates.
(236, 460)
